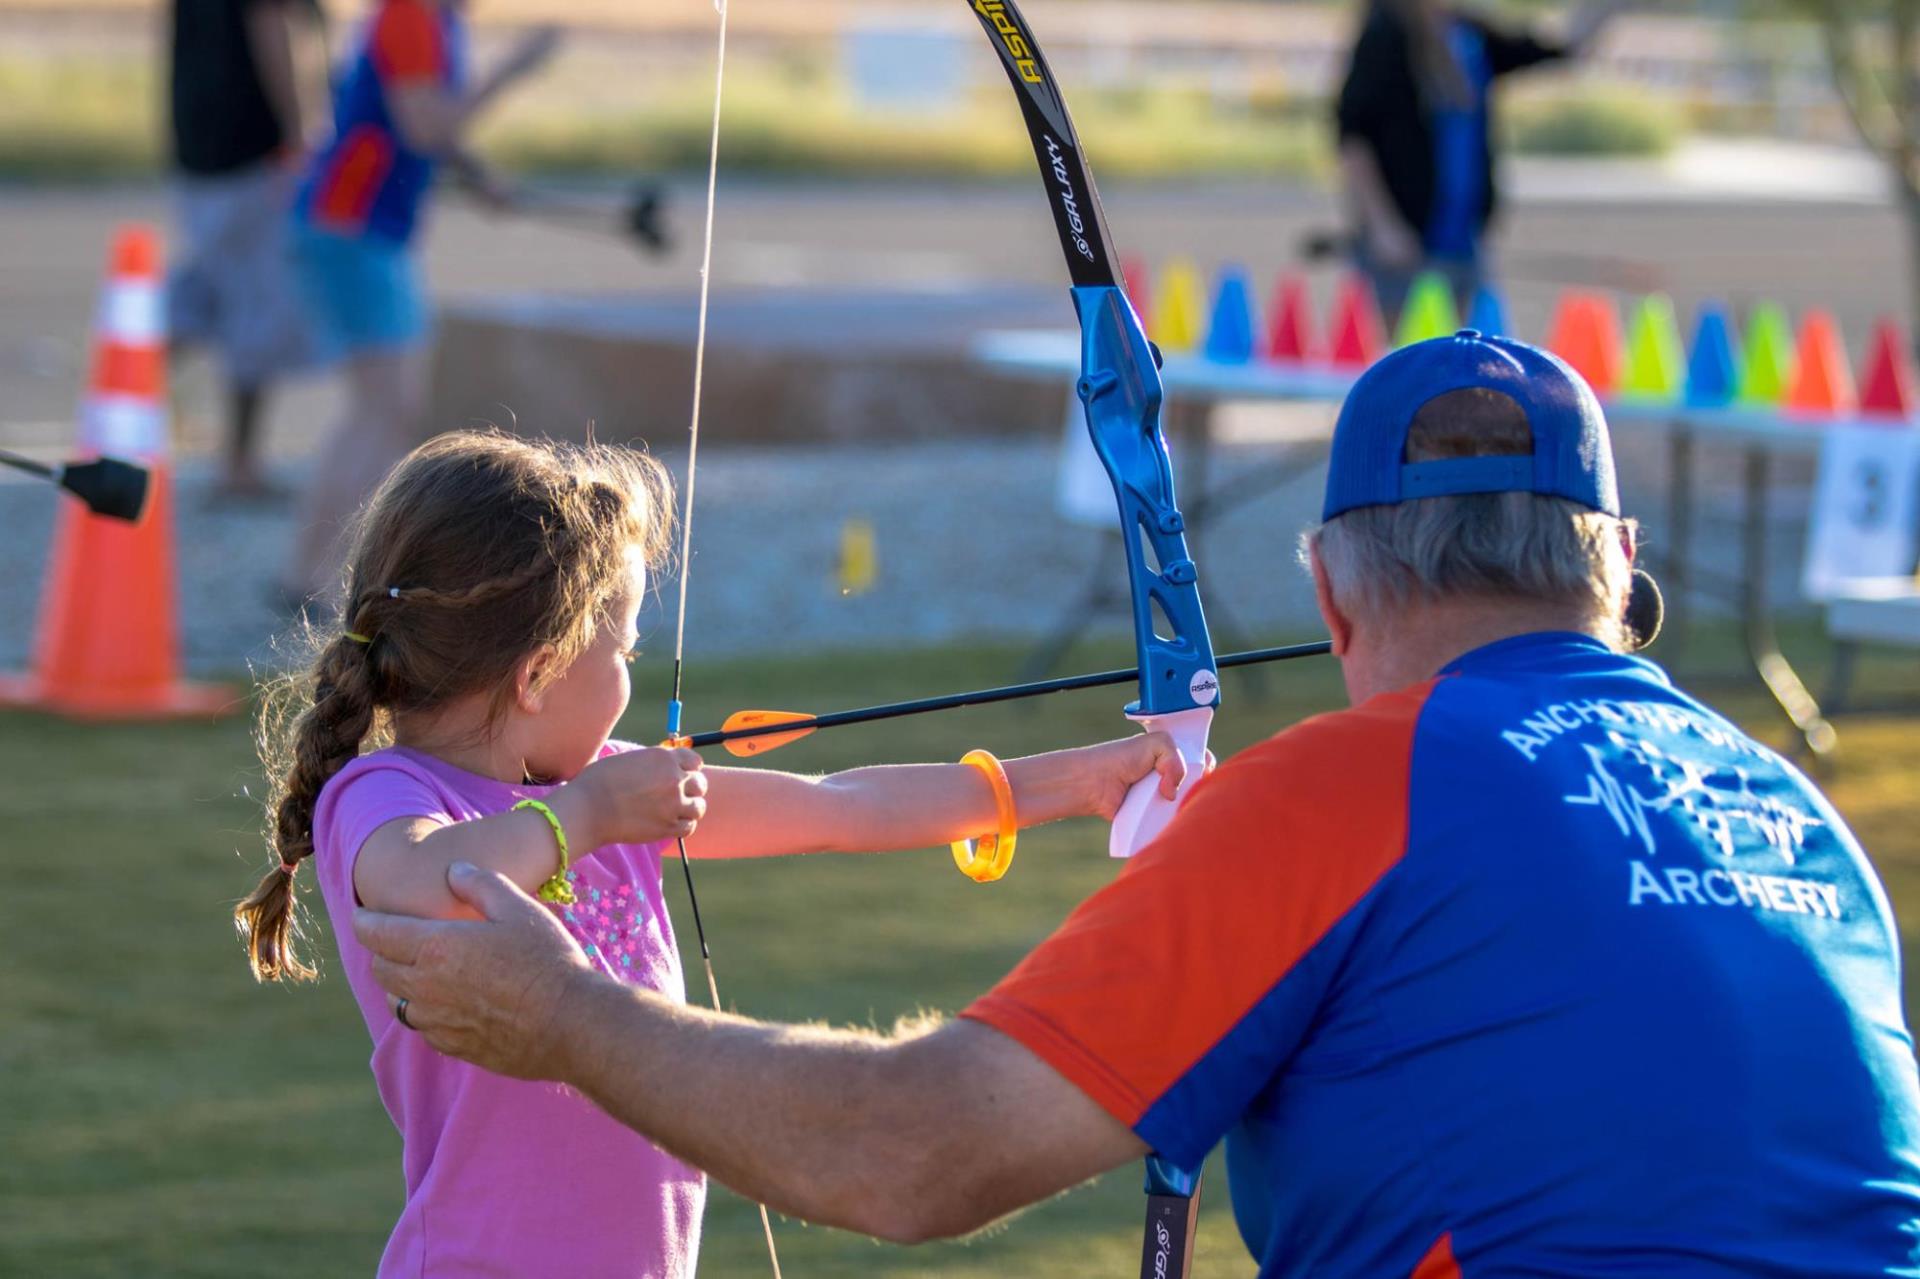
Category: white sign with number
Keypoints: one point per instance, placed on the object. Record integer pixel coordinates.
(1866, 508)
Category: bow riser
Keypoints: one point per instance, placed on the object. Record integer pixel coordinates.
(1121, 390)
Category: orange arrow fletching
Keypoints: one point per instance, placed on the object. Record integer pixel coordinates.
(748, 747)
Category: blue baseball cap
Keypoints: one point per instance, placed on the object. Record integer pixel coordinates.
(1572, 453)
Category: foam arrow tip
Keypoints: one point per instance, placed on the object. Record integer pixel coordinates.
(760, 744)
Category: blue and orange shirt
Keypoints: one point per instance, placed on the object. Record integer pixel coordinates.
(1538, 968)
(367, 181)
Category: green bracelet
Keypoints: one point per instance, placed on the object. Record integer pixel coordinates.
(558, 889)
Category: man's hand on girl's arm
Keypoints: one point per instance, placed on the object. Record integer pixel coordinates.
(926, 1133)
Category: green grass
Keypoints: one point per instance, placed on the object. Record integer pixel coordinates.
(161, 1115)
(99, 116)
(76, 118)
(1594, 120)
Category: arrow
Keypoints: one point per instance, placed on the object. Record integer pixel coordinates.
(750, 733)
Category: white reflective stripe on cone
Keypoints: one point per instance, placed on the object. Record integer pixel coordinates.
(127, 426)
(133, 313)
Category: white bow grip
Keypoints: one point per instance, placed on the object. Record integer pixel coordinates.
(1145, 813)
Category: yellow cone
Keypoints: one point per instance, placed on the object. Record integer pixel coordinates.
(1182, 311)
(859, 566)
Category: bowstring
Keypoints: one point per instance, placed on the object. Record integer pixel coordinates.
(686, 528)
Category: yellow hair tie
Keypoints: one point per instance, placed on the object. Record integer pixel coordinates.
(558, 889)
(357, 637)
(987, 859)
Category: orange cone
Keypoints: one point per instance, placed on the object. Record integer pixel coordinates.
(1822, 385)
(1586, 334)
(108, 645)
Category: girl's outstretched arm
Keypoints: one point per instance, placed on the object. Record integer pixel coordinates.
(759, 813)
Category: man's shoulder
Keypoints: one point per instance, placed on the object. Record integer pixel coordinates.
(1326, 782)
(1337, 740)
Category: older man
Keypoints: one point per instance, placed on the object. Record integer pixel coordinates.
(1526, 964)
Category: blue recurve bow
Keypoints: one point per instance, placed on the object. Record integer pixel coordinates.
(1120, 388)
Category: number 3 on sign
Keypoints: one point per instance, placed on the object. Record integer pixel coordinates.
(1866, 508)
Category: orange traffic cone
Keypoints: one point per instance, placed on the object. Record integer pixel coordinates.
(1586, 334)
(108, 645)
(1822, 385)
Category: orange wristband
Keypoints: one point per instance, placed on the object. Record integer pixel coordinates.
(986, 859)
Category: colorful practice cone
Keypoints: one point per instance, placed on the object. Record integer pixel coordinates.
(1291, 339)
(1822, 385)
(1357, 332)
(1586, 334)
(1177, 324)
(1767, 361)
(1656, 362)
(1886, 388)
(1713, 371)
(1230, 329)
(1139, 286)
(1488, 314)
(1429, 312)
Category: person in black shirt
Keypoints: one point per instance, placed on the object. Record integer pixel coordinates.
(1416, 150)
(238, 69)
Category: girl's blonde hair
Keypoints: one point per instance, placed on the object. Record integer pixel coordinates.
(477, 550)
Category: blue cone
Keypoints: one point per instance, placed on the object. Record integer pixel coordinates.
(1713, 371)
(1230, 331)
(1488, 313)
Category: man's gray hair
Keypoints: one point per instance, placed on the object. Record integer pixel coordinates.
(1513, 546)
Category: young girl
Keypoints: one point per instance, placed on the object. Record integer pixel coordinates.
(488, 624)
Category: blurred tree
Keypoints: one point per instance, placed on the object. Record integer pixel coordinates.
(1875, 62)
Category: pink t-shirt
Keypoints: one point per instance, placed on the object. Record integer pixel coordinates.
(506, 1177)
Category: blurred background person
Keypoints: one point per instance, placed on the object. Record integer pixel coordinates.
(403, 105)
(246, 85)
(1417, 158)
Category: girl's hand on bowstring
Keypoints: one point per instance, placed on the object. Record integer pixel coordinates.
(639, 796)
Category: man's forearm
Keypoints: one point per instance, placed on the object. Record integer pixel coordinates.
(909, 1137)
(803, 1119)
